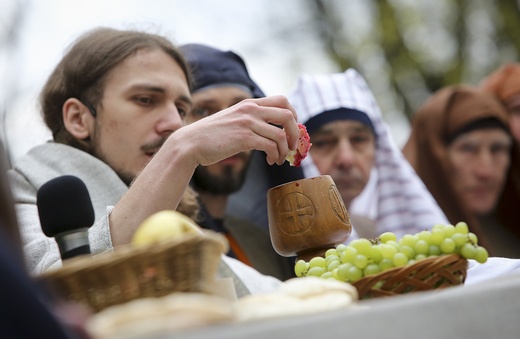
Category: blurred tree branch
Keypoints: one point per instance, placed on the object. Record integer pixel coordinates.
(509, 28)
(409, 72)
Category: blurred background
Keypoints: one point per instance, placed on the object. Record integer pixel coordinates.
(406, 49)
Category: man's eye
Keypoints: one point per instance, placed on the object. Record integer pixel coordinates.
(182, 112)
(467, 148)
(500, 149)
(200, 113)
(144, 100)
(360, 139)
(323, 143)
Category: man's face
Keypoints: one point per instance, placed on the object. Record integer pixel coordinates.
(480, 160)
(228, 175)
(344, 150)
(143, 101)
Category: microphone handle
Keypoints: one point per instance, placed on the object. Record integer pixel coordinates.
(73, 243)
(74, 252)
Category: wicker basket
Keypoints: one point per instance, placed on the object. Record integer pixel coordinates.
(185, 264)
(426, 274)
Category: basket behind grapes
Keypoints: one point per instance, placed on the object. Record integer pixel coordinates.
(385, 266)
(426, 274)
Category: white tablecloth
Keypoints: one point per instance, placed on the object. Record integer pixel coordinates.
(487, 306)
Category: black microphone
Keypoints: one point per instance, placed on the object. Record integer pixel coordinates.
(66, 214)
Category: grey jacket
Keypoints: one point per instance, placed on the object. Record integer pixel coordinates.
(46, 162)
(51, 160)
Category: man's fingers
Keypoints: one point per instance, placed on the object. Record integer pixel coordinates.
(279, 101)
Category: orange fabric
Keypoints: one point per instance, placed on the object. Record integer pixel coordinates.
(241, 256)
(504, 82)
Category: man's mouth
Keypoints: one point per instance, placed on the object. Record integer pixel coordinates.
(346, 181)
(152, 148)
(151, 154)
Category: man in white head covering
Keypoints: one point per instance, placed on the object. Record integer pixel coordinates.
(353, 145)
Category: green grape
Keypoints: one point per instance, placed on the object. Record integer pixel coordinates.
(362, 246)
(434, 250)
(394, 244)
(462, 227)
(335, 274)
(437, 236)
(399, 259)
(330, 258)
(360, 261)
(300, 268)
(340, 248)
(343, 271)
(315, 271)
(424, 235)
(420, 256)
(388, 251)
(348, 254)
(333, 264)
(326, 275)
(472, 238)
(449, 230)
(409, 240)
(447, 246)
(371, 269)
(375, 253)
(385, 264)
(378, 285)
(386, 236)
(354, 273)
(422, 247)
(408, 251)
(459, 239)
(411, 262)
(469, 251)
(482, 255)
(437, 227)
(331, 251)
(318, 262)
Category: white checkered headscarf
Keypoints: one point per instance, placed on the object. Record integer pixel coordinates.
(395, 197)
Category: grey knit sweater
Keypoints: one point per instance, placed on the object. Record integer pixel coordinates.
(51, 160)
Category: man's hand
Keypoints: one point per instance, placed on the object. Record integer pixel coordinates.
(245, 126)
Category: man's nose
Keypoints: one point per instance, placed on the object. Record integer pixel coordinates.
(485, 166)
(170, 121)
(344, 154)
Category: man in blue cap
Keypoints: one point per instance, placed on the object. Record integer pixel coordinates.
(221, 80)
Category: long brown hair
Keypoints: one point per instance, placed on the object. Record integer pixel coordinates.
(82, 71)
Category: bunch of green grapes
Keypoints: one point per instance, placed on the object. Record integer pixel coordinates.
(363, 257)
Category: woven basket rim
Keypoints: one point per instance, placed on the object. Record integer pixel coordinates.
(421, 269)
(187, 263)
(130, 251)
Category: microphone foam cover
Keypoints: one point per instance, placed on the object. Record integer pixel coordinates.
(64, 205)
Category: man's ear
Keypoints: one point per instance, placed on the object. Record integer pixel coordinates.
(77, 118)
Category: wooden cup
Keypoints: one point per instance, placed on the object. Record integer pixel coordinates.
(307, 217)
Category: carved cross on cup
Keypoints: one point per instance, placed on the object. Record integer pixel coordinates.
(307, 217)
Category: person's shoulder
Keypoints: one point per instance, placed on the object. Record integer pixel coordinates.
(42, 152)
